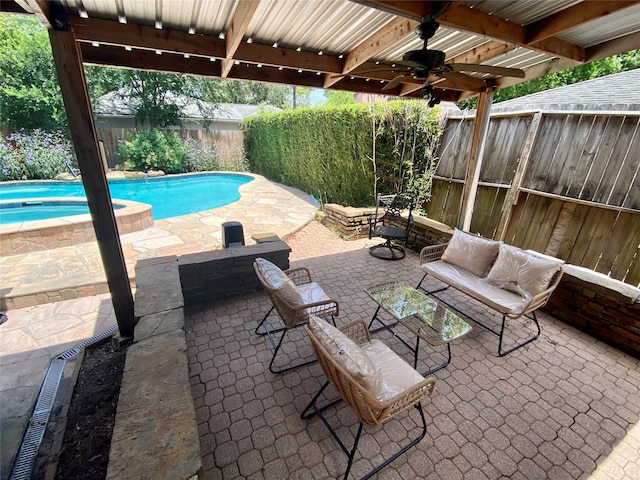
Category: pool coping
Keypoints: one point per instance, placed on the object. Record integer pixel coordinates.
(37, 235)
(76, 271)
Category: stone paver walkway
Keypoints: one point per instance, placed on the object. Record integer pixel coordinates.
(565, 407)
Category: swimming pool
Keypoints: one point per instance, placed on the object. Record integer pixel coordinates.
(169, 196)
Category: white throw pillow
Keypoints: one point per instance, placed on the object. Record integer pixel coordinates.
(522, 272)
(471, 252)
(280, 282)
(346, 352)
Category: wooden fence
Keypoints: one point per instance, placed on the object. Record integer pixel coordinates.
(565, 183)
(228, 142)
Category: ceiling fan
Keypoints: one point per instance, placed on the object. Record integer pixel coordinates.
(420, 64)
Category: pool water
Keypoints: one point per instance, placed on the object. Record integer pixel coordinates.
(169, 196)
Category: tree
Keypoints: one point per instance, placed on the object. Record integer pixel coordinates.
(251, 93)
(334, 98)
(29, 93)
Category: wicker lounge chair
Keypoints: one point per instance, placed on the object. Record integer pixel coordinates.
(387, 222)
(372, 379)
(294, 296)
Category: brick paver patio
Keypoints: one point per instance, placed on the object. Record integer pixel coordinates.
(565, 407)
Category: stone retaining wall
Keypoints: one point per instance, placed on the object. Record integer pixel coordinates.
(155, 433)
(208, 276)
(353, 223)
(606, 309)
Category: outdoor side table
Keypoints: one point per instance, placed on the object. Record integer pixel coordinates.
(423, 315)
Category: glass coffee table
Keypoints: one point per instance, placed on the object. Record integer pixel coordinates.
(423, 315)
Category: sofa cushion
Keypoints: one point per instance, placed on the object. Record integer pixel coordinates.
(346, 352)
(394, 374)
(521, 272)
(501, 300)
(280, 282)
(471, 252)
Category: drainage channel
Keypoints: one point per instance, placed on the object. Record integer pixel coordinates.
(44, 405)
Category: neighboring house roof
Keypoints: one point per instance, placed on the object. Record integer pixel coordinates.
(620, 91)
(118, 104)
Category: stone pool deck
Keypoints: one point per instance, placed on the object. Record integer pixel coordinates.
(76, 271)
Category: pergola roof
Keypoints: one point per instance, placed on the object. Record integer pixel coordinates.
(312, 43)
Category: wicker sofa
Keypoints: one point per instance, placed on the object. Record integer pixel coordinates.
(508, 280)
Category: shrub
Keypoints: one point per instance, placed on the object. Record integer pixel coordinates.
(200, 157)
(153, 150)
(35, 155)
(350, 153)
(232, 158)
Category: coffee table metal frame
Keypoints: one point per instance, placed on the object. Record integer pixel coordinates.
(421, 314)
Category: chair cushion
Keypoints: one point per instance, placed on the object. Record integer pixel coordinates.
(312, 293)
(346, 352)
(500, 299)
(280, 282)
(521, 272)
(471, 252)
(394, 374)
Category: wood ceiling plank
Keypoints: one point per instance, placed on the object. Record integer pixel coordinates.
(572, 17)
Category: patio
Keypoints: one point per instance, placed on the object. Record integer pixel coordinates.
(566, 406)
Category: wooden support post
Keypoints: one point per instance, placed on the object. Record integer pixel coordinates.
(68, 62)
(472, 176)
(523, 161)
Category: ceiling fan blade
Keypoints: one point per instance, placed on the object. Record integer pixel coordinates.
(457, 80)
(395, 82)
(472, 67)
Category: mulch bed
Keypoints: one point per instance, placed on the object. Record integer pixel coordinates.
(91, 417)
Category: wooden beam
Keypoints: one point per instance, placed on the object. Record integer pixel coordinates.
(461, 17)
(474, 164)
(237, 27)
(383, 38)
(40, 8)
(69, 67)
(482, 53)
(111, 56)
(573, 17)
(108, 32)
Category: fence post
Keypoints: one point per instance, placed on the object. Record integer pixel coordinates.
(474, 164)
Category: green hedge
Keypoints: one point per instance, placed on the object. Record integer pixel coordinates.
(329, 153)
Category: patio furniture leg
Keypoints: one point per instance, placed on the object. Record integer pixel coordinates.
(262, 322)
(275, 353)
(504, 321)
(429, 292)
(351, 453)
